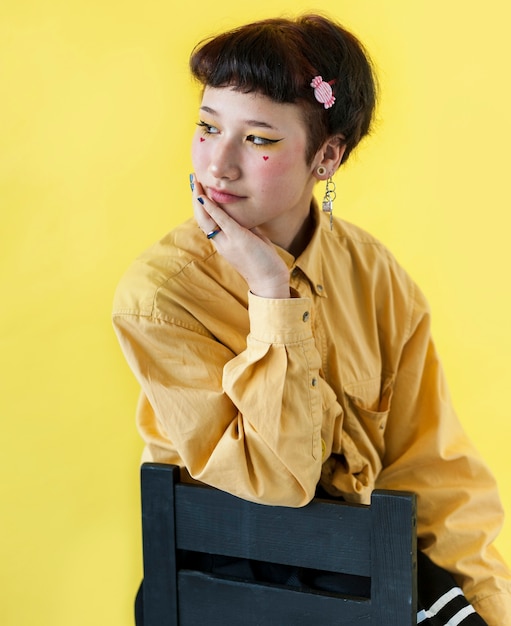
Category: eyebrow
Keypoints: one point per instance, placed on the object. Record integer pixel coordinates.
(256, 123)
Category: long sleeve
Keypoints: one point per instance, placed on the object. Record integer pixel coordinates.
(427, 451)
(249, 423)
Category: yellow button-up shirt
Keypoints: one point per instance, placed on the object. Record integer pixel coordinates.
(340, 385)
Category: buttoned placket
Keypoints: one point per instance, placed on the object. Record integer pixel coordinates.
(302, 285)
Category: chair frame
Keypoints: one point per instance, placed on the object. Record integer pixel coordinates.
(376, 541)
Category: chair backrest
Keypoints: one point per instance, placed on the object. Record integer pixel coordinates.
(376, 542)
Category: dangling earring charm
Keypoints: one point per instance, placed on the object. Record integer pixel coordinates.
(328, 200)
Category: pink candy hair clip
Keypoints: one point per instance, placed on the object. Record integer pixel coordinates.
(323, 91)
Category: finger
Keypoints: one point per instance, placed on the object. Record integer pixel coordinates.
(205, 209)
(219, 217)
(204, 221)
(207, 206)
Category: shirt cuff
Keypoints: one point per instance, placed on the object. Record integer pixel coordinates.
(286, 320)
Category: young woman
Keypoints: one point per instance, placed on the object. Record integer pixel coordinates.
(279, 350)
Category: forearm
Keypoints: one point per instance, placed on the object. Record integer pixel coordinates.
(249, 424)
(459, 511)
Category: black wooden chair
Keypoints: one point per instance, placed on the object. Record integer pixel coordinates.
(376, 542)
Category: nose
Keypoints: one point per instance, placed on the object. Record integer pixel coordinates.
(224, 162)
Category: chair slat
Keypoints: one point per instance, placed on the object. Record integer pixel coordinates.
(325, 535)
(232, 602)
(376, 542)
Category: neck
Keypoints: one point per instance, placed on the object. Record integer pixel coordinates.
(302, 237)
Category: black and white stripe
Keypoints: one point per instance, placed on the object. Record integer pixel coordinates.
(444, 606)
(441, 602)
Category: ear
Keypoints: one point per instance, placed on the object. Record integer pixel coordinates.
(329, 156)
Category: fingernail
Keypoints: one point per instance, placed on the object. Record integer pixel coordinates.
(201, 200)
(192, 186)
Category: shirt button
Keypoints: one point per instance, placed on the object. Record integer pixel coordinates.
(319, 287)
(294, 272)
(314, 382)
(306, 316)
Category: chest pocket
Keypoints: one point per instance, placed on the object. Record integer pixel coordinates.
(358, 448)
(367, 410)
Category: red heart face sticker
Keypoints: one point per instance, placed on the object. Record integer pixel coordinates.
(265, 158)
(202, 139)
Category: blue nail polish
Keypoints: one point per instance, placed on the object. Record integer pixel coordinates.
(201, 200)
(192, 186)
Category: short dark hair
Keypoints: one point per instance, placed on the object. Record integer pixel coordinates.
(279, 58)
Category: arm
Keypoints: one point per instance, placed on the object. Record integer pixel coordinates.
(427, 452)
(248, 424)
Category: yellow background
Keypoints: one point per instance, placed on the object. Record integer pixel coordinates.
(96, 114)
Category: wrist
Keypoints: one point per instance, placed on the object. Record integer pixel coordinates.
(276, 293)
(275, 288)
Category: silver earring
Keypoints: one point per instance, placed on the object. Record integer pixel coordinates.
(328, 200)
(321, 170)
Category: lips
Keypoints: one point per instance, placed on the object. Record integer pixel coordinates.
(222, 197)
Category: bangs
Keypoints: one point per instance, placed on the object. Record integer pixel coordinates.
(265, 60)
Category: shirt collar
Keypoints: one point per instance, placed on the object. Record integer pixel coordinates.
(310, 261)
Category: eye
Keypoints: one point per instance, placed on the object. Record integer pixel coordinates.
(261, 141)
(207, 129)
